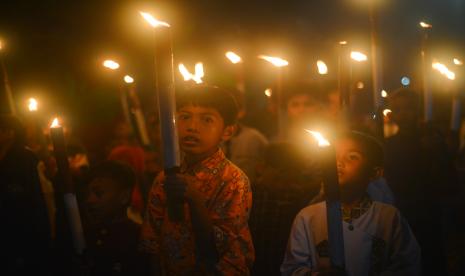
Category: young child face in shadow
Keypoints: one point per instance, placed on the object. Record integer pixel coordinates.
(352, 165)
(106, 199)
(200, 130)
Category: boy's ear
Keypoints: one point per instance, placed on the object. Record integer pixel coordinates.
(229, 132)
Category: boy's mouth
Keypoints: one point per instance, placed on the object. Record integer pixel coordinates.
(190, 140)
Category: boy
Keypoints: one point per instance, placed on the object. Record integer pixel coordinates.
(112, 238)
(214, 235)
(377, 240)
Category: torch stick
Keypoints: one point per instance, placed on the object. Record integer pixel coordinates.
(456, 119)
(139, 118)
(164, 75)
(64, 178)
(344, 85)
(6, 82)
(425, 65)
(327, 155)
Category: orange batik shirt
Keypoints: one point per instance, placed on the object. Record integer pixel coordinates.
(228, 199)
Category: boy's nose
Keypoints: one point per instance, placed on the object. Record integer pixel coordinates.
(193, 125)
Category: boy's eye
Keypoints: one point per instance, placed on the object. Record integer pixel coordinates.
(352, 156)
(98, 193)
(207, 119)
(183, 116)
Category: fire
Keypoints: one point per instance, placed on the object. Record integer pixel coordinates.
(443, 70)
(268, 92)
(197, 77)
(153, 21)
(358, 56)
(32, 105)
(322, 68)
(384, 94)
(111, 64)
(343, 42)
(128, 79)
(276, 61)
(55, 123)
(425, 25)
(386, 112)
(233, 57)
(322, 142)
(458, 61)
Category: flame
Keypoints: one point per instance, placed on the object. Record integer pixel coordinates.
(360, 85)
(1, 45)
(458, 61)
(128, 79)
(233, 57)
(386, 112)
(276, 61)
(384, 94)
(268, 92)
(358, 56)
(55, 123)
(322, 68)
(322, 142)
(197, 77)
(32, 104)
(425, 25)
(152, 21)
(443, 70)
(111, 64)
(343, 42)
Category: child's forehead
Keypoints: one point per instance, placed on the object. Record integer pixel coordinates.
(350, 144)
(198, 109)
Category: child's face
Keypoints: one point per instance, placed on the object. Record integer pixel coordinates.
(352, 166)
(105, 198)
(201, 129)
(300, 106)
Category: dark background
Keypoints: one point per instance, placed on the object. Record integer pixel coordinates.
(54, 49)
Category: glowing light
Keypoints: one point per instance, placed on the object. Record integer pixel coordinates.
(197, 77)
(384, 94)
(425, 25)
(153, 21)
(233, 57)
(343, 42)
(322, 68)
(1, 45)
(55, 123)
(111, 64)
(32, 104)
(443, 70)
(458, 61)
(358, 56)
(276, 61)
(360, 85)
(386, 112)
(268, 92)
(322, 142)
(405, 81)
(128, 79)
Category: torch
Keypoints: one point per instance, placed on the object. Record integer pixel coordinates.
(279, 63)
(166, 105)
(455, 120)
(327, 157)
(427, 94)
(136, 111)
(237, 60)
(64, 178)
(344, 78)
(188, 76)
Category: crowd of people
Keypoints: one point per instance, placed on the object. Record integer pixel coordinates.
(241, 203)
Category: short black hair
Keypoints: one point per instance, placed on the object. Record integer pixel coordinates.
(295, 88)
(214, 97)
(119, 172)
(372, 147)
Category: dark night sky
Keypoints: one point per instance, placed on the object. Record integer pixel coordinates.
(54, 48)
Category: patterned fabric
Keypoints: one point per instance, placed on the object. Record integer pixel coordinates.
(349, 214)
(228, 199)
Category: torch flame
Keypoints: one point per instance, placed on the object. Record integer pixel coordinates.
(1, 45)
(458, 61)
(322, 68)
(233, 57)
(358, 56)
(153, 21)
(111, 64)
(384, 94)
(425, 25)
(268, 92)
(443, 70)
(386, 112)
(32, 104)
(128, 79)
(276, 61)
(55, 123)
(343, 42)
(322, 142)
(197, 77)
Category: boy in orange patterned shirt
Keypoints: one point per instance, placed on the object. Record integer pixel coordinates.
(213, 237)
